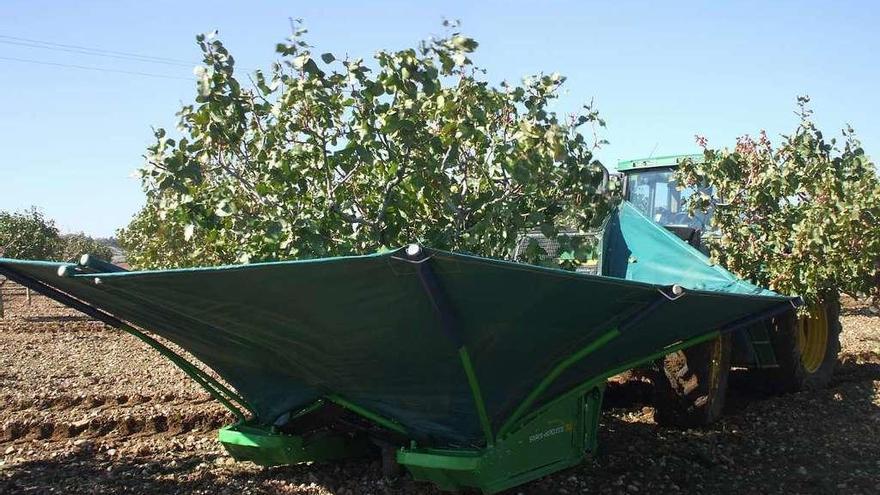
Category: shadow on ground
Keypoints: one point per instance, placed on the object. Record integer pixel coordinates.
(822, 441)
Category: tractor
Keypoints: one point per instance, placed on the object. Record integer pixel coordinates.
(786, 353)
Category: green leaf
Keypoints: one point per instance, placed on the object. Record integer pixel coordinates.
(354, 159)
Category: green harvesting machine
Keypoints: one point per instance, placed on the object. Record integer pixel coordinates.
(466, 371)
(787, 353)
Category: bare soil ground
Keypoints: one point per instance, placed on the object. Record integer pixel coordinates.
(88, 409)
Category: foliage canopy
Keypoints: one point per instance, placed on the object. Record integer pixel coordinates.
(800, 218)
(71, 246)
(29, 234)
(324, 156)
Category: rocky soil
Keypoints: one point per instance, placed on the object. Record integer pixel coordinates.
(88, 409)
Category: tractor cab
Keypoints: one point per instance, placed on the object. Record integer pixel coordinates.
(649, 184)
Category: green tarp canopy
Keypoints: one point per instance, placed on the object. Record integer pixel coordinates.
(385, 331)
(635, 248)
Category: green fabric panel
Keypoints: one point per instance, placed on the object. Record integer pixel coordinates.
(284, 334)
(637, 248)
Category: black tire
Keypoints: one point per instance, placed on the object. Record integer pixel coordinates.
(793, 375)
(690, 386)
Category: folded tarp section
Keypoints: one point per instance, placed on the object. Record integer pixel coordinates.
(388, 333)
(636, 248)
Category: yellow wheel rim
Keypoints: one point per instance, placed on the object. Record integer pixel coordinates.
(812, 338)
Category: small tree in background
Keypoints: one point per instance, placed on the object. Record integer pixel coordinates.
(27, 234)
(71, 246)
(801, 218)
(331, 156)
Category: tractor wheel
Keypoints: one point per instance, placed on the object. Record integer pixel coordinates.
(806, 349)
(691, 384)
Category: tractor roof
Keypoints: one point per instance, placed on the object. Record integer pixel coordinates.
(654, 162)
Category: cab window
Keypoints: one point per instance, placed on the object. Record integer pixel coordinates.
(655, 193)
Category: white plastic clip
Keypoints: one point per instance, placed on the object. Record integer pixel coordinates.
(677, 292)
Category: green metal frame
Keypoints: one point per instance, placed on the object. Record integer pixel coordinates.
(532, 443)
(474, 384)
(655, 162)
(260, 445)
(559, 436)
(519, 456)
(367, 414)
(264, 445)
(548, 380)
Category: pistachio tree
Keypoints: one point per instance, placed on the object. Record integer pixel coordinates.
(324, 155)
(802, 217)
(70, 247)
(27, 234)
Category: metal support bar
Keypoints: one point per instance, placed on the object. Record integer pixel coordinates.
(212, 386)
(450, 325)
(553, 375)
(627, 323)
(366, 413)
(599, 380)
(478, 395)
(787, 306)
(445, 314)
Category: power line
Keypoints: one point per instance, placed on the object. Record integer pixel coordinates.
(146, 58)
(98, 69)
(93, 53)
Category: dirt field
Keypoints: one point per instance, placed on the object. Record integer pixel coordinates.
(88, 409)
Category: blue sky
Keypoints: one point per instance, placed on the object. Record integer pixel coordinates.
(71, 139)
